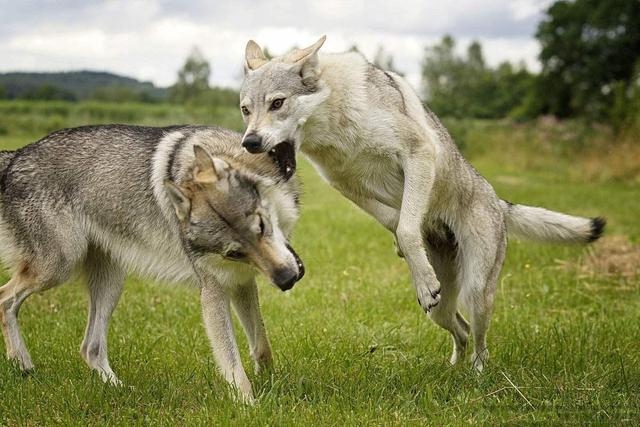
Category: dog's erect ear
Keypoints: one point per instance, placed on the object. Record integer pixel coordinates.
(305, 54)
(207, 169)
(179, 200)
(306, 61)
(253, 56)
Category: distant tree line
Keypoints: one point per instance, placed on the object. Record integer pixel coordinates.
(76, 86)
(590, 61)
(464, 86)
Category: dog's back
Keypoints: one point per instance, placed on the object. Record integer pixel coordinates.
(5, 158)
(75, 188)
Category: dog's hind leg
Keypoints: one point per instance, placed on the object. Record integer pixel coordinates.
(12, 295)
(105, 279)
(244, 299)
(481, 258)
(443, 258)
(24, 282)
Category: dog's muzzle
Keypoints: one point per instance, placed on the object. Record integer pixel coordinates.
(252, 143)
(285, 278)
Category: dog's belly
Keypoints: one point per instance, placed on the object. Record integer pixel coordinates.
(384, 184)
(164, 265)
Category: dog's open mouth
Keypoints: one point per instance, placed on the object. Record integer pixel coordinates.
(284, 154)
(301, 269)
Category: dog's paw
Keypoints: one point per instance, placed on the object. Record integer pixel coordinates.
(248, 400)
(479, 360)
(244, 397)
(428, 297)
(110, 378)
(22, 361)
(115, 382)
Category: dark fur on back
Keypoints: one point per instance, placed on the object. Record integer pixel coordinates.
(386, 88)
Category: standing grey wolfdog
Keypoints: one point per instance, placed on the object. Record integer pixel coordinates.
(367, 133)
(183, 204)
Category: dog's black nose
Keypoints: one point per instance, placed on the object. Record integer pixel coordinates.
(285, 278)
(253, 143)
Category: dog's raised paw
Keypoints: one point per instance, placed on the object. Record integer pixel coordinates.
(428, 298)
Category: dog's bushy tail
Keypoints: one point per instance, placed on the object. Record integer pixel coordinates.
(543, 225)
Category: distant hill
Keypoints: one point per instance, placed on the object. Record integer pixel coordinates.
(77, 85)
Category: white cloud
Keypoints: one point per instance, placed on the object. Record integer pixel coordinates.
(149, 39)
(523, 9)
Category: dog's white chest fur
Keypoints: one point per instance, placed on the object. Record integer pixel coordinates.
(371, 172)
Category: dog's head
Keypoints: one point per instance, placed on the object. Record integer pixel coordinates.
(276, 99)
(222, 211)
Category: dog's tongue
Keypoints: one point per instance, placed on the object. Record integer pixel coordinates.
(285, 156)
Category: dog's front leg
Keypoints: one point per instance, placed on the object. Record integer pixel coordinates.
(419, 176)
(384, 214)
(217, 322)
(244, 299)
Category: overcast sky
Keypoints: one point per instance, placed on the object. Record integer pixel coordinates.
(149, 39)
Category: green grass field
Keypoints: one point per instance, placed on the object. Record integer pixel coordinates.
(352, 346)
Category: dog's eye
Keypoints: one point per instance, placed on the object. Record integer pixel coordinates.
(234, 255)
(245, 110)
(276, 104)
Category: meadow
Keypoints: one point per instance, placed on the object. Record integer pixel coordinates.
(352, 346)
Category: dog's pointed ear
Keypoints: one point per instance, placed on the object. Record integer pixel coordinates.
(306, 61)
(254, 57)
(305, 54)
(179, 200)
(207, 169)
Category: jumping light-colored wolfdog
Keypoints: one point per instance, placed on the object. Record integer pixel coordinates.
(367, 133)
(183, 204)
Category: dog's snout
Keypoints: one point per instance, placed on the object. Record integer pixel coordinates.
(252, 143)
(285, 278)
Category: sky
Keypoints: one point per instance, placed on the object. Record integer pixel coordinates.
(150, 39)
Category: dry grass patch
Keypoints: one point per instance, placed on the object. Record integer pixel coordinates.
(611, 256)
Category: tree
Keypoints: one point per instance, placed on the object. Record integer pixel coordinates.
(466, 87)
(475, 58)
(589, 50)
(193, 78)
(48, 92)
(514, 94)
(441, 76)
